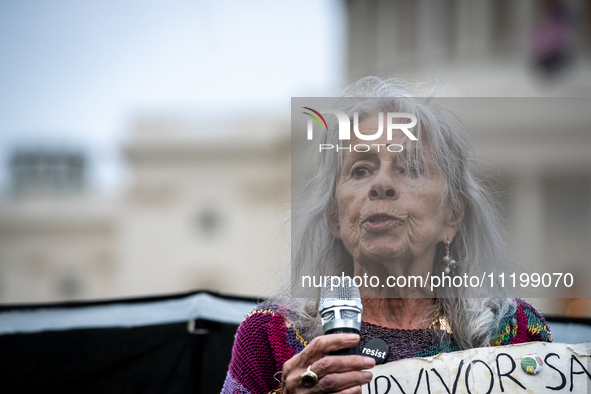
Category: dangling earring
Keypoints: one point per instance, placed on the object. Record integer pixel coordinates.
(448, 262)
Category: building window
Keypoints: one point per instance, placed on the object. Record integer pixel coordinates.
(47, 172)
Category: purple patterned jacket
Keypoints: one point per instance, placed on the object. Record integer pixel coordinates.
(265, 341)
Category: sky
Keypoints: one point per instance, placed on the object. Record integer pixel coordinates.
(76, 74)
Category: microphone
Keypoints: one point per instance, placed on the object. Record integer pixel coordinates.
(340, 310)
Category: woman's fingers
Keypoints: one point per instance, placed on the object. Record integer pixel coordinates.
(323, 344)
(335, 382)
(335, 373)
(332, 364)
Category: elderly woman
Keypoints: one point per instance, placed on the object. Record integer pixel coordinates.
(385, 212)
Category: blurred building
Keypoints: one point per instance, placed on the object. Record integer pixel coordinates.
(57, 242)
(207, 212)
(504, 48)
(202, 213)
(482, 48)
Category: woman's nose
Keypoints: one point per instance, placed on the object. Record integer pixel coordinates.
(383, 188)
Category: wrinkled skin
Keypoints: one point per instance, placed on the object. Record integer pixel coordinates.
(408, 201)
(337, 374)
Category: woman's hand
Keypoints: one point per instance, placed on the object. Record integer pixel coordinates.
(336, 374)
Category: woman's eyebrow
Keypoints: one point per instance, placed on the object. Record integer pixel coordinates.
(369, 155)
(362, 154)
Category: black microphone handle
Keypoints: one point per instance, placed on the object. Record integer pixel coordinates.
(352, 351)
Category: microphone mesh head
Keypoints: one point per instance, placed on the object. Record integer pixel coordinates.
(343, 292)
(340, 307)
(349, 315)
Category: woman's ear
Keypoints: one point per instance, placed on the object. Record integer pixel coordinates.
(457, 216)
(332, 219)
(454, 219)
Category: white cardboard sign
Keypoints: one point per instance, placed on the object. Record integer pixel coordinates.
(566, 369)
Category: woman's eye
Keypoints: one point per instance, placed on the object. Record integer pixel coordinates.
(360, 172)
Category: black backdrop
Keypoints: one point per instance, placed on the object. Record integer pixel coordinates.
(161, 358)
(156, 358)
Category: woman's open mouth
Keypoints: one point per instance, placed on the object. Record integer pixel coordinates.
(380, 221)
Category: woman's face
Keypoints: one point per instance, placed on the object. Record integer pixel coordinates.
(388, 210)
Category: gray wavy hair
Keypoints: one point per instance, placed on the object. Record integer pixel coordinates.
(479, 245)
